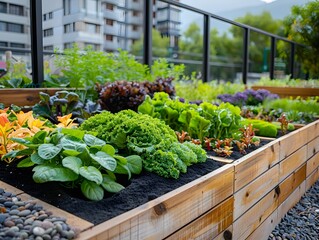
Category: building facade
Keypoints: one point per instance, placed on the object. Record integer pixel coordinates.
(104, 24)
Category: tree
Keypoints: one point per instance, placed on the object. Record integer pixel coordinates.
(160, 45)
(302, 26)
(258, 42)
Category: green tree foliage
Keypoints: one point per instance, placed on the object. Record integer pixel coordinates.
(258, 42)
(160, 45)
(302, 26)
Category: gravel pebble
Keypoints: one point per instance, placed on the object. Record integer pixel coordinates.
(28, 220)
(302, 221)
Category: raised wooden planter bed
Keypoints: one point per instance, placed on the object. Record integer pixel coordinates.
(242, 200)
(294, 92)
(26, 96)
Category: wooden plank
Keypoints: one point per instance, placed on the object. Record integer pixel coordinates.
(163, 216)
(250, 221)
(294, 92)
(210, 225)
(227, 234)
(313, 130)
(291, 163)
(253, 165)
(312, 164)
(26, 96)
(220, 159)
(254, 191)
(291, 200)
(313, 147)
(292, 142)
(8, 188)
(265, 229)
(74, 221)
(291, 183)
(312, 179)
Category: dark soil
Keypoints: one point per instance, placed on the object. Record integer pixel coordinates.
(139, 190)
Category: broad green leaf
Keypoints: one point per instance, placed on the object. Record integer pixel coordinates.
(109, 149)
(122, 159)
(73, 143)
(91, 173)
(73, 163)
(48, 150)
(73, 132)
(25, 163)
(47, 173)
(35, 158)
(92, 191)
(44, 97)
(21, 141)
(70, 153)
(134, 163)
(110, 185)
(90, 140)
(123, 169)
(39, 137)
(104, 160)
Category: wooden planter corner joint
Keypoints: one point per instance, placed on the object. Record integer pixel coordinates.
(244, 199)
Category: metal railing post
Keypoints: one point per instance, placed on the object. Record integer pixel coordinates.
(206, 49)
(292, 61)
(246, 54)
(148, 24)
(272, 58)
(36, 42)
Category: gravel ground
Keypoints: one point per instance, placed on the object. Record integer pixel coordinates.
(302, 221)
(28, 220)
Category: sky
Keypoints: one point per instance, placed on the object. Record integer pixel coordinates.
(231, 9)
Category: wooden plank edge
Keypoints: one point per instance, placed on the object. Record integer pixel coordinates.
(134, 213)
(209, 225)
(8, 188)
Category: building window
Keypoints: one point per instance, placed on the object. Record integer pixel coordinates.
(47, 16)
(3, 44)
(17, 45)
(136, 13)
(3, 7)
(48, 48)
(109, 6)
(68, 45)
(109, 38)
(92, 28)
(69, 27)
(13, 27)
(16, 9)
(135, 27)
(3, 26)
(109, 22)
(48, 32)
(67, 7)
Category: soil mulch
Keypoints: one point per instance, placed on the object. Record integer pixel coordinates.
(139, 190)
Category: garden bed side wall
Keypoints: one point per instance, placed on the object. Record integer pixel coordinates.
(294, 92)
(245, 199)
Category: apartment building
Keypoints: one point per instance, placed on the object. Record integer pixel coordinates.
(123, 22)
(66, 22)
(14, 24)
(104, 24)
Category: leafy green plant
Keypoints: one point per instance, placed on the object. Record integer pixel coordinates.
(148, 137)
(205, 120)
(310, 105)
(287, 82)
(265, 129)
(193, 90)
(64, 103)
(78, 159)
